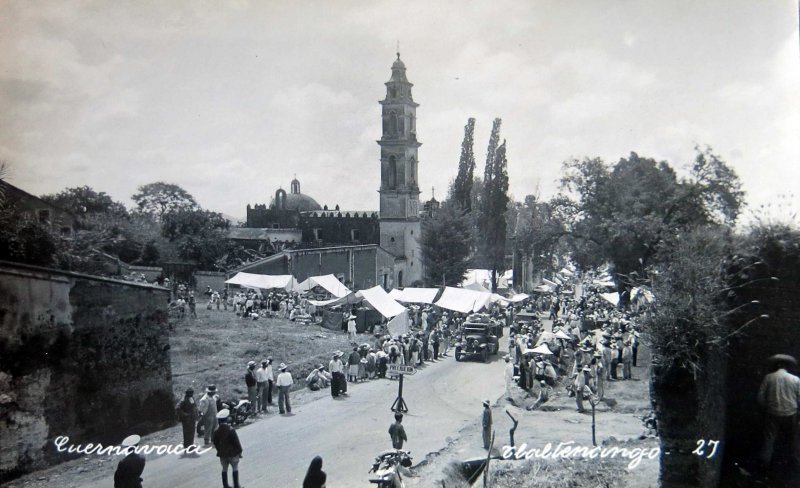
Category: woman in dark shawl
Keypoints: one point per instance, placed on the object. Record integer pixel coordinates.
(315, 476)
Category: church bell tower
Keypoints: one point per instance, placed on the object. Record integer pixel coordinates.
(399, 191)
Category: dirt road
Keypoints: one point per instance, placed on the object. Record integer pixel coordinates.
(442, 398)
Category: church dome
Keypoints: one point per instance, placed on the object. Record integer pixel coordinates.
(398, 64)
(294, 200)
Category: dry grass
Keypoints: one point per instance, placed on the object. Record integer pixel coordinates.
(215, 349)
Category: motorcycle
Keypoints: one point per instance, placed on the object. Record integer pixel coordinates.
(386, 468)
(239, 411)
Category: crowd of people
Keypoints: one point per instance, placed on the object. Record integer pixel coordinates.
(592, 341)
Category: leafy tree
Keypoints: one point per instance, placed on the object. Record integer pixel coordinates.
(537, 230)
(628, 213)
(446, 245)
(150, 254)
(83, 200)
(159, 199)
(462, 187)
(200, 235)
(493, 205)
(26, 240)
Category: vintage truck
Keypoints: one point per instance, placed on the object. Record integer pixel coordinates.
(480, 338)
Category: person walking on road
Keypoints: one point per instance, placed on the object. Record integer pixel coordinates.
(779, 396)
(397, 432)
(284, 383)
(229, 449)
(208, 410)
(129, 470)
(187, 414)
(487, 424)
(315, 476)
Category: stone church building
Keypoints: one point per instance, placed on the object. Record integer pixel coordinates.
(295, 222)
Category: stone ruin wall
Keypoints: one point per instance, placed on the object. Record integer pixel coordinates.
(80, 356)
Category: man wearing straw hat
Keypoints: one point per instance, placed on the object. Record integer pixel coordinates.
(284, 383)
(229, 449)
(129, 470)
(779, 395)
(351, 328)
(208, 411)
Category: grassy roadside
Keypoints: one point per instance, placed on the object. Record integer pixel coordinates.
(215, 349)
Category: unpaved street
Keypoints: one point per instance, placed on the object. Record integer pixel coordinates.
(443, 397)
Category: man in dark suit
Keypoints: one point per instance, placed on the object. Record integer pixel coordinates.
(229, 449)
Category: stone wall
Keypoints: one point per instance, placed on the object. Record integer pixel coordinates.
(80, 356)
(214, 279)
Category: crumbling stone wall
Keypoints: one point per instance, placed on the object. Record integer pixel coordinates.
(80, 356)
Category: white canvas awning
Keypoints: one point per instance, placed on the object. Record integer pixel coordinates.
(286, 282)
(399, 324)
(381, 301)
(475, 286)
(519, 297)
(328, 282)
(612, 298)
(461, 300)
(562, 335)
(415, 295)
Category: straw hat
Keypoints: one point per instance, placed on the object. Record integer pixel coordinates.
(282, 367)
(131, 440)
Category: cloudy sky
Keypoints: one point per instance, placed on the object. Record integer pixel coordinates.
(230, 99)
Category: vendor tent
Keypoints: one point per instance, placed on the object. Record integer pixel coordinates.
(462, 300)
(475, 286)
(561, 335)
(399, 324)
(348, 299)
(519, 297)
(328, 282)
(381, 301)
(612, 298)
(250, 280)
(415, 295)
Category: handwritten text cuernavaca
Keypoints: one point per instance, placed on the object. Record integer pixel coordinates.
(566, 450)
(62, 445)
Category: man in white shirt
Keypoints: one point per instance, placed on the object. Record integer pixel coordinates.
(262, 385)
(779, 395)
(284, 383)
(336, 368)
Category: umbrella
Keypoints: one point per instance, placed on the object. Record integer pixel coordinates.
(783, 358)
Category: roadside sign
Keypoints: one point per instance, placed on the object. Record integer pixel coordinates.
(398, 369)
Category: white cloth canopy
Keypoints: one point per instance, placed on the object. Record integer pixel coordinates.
(351, 298)
(287, 282)
(475, 286)
(519, 297)
(414, 295)
(612, 298)
(461, 300)
(549, 283)
(381, 301)
(329, 282)
(399, 324)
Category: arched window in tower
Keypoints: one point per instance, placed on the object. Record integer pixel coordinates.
(392, 181)
(412, 166)
(400, 125)
(295, 187)
(392, 123)
(280, 199)
(392, 93)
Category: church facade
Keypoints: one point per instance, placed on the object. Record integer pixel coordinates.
(296, 221)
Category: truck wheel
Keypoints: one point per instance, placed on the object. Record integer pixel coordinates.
(485, 356)
(458, 354)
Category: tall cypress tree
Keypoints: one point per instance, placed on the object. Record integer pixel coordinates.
(494, 202)
(462, 188)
